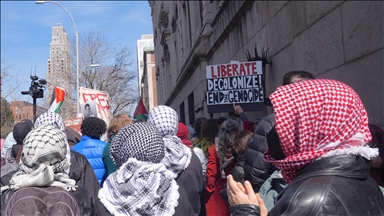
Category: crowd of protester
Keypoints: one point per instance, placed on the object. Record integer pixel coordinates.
(315, 155)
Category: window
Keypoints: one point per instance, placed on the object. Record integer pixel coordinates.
(191, 108)
(182, 112)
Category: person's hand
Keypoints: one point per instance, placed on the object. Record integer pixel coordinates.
(376, 162)
(237, 109)
(239, 194)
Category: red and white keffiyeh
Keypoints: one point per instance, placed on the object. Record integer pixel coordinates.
(316, 119)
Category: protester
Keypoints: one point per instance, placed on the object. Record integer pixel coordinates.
(91, 146)
(20, 131)
(80, 170)
(142, 185)
(256, 169)
(73, 137)
(116, 123)
(220, 121)
(182, 133)
(271, 188)
(42, 165)
(179, 158)
(220, 164)
(247, 124)
(209, 131)
(243, 200)
(8, 143)
(322, 151)
(240, 143)
(197, 128)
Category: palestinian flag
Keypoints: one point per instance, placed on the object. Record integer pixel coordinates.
(57, 100)
(141, 111)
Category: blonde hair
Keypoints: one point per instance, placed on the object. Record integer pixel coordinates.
(118, 122)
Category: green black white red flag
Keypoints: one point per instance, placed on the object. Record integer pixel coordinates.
(57, 100)
(141, 111)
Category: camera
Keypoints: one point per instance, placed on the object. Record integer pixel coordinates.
(36, 90)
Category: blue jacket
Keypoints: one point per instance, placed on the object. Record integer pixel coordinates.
(92, 149)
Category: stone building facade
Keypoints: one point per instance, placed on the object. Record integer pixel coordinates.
(342, 40)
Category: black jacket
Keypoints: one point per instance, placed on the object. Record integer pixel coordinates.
(81, 171)
(244, 209)
(238, 171)
(256, 169)
(338, 185)
(238, 175)
(184, 207)
(192, 180)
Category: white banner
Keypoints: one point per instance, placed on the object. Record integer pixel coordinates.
(100, 99)
(235, 82)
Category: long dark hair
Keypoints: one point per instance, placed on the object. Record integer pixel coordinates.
(209, 130)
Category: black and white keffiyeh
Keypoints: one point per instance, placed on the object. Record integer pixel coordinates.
(140, 188)
(43, 160)
(54, 119)
(177, 155)
(141, 141)
(142, 185)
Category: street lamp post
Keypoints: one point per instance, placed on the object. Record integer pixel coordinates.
(77, 51)
(91, 66)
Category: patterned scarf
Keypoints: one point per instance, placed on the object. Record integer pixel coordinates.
(177, 155)
(43, 161)
(139, 140)
(317, 119)
(54, 119)
(140, 188)
(204, 144)
(223, 144)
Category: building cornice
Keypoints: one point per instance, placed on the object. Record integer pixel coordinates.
(199, 50)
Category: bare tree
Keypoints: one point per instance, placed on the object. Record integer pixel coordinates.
(116, 74)
(12, 79)
(7, 120)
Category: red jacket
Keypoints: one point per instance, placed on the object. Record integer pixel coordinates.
(214, 204)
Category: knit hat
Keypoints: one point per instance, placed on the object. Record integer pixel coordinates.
(141, 141)
(21, 129)
(182, 133)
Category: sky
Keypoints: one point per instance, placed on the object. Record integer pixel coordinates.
(26, 31)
